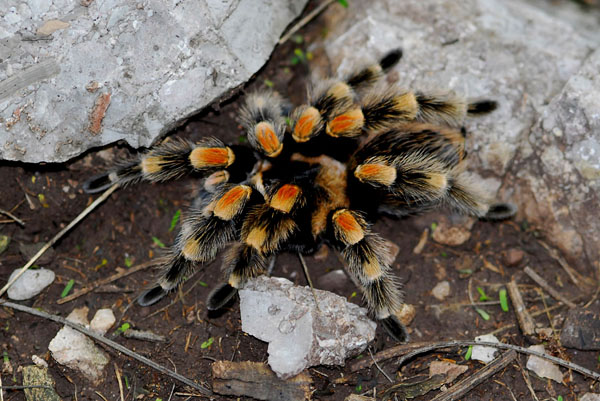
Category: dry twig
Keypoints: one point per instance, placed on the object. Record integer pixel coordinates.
(58, 236)
(523, 317)
(421, 348)
(465, 385)
(309, 17)
(13, 217)
(108, 343)
(544, 284)
(107, 280)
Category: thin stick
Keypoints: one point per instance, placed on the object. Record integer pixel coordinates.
(58, 236)
(107, 342)
(379, 367)
(15, 219)
(118, 374)
(312, 288)
(525, 375)
(1, 389)
(561, 261)
(421, 348)
(22, 387)
(549, 289)
(104, 281)
(309, 17)
(523, 317)
(465, 385)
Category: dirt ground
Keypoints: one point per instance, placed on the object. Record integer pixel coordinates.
(128, 228)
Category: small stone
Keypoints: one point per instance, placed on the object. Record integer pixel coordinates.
(450, 235)
(441, 290)
(276, 311)
(39, 361)
(513, 257)
(590, 397)
(102, 321)
(77, 351)
(582, 329)
(406, 314)
(542, 367)
(482, 353)
(39, 376)
(448, 369)
(30, 284)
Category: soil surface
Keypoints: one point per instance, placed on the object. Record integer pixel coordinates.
(130, 227)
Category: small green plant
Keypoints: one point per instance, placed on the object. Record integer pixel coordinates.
(158, 242)
(128, 261)
(67, 288)
(482, 296)
(268, 83)
(174, 220)
(202, 284)
(344, 3)
(433, 226)
(503, 300)
(469, 353)
(484, 315)
(207, 343)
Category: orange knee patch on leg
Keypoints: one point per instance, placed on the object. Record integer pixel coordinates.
(346, 125)
(306, 125)
(347, 227)
(232, 202)
(375, 172)
(211, 157)
(267, 139)
(285, 198)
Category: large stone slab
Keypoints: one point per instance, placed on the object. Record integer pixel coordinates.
(538, 60)
(79, 74)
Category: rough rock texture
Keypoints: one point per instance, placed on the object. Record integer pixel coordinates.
(537, 60)
(73, 77)
(542, 367)
(276, 311)
(30, 284)
(581, 329)
(38, 376)
(77, 351)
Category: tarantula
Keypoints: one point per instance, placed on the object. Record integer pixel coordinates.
(354, 152)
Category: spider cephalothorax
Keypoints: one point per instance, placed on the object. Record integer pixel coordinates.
(351, 154)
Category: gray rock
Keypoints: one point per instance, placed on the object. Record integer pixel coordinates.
(77, 351)
(542, 145)
(38, 376)
(543, 367)
(590, 397)
(581, 329)
(75, 76)
(30, 284)
(299, 335)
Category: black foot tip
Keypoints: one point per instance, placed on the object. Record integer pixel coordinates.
(395, 329)
(97, 183)
(390, 59)
(500, 211)
(482, 106)
(220, 296)
(151, 296)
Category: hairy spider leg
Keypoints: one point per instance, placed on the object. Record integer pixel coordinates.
(263, 121)
(209, 226)
(173, 159)
(368, 260)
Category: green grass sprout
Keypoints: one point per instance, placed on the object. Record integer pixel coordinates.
(503, 300)
(67, 288)
(175, 219)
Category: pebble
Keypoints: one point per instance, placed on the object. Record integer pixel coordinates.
(452, 235)
(542, 367)
(30, 284)
(39, 376)
(581, 329)
(482, 353)
(590, 397)
(441, 290)
(513, 257)
(103, 320)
